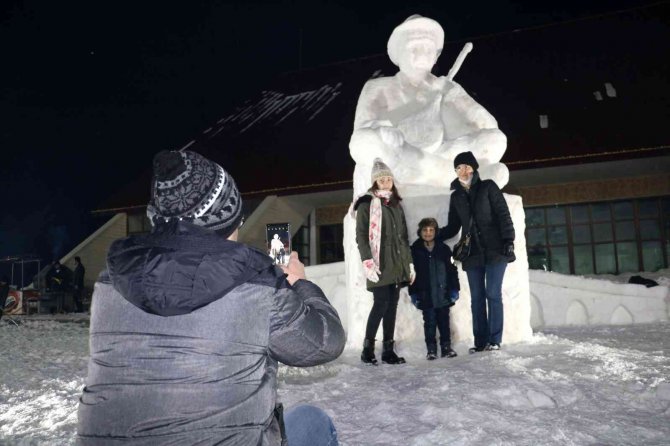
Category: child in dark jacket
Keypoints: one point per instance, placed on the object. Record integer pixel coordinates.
(436, 287)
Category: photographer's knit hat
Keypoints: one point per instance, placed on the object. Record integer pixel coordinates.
(466, 158)
(187, 186)
(379, 169)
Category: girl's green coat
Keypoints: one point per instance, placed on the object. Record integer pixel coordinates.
(395, 255)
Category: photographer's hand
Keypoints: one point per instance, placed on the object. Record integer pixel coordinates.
(295, 269)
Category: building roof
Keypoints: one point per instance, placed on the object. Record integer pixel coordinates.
(603, 84)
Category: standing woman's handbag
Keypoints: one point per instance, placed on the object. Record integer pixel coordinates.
(463, 247)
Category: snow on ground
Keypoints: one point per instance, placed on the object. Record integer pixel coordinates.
(568, 386)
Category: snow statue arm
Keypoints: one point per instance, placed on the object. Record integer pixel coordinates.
(305, 329)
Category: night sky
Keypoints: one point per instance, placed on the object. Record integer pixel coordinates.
(90, 91)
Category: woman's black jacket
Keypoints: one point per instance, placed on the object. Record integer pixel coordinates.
(492, 227)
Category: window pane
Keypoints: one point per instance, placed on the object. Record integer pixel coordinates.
(556, 216)
(580, 214)
(536, 237)
(581, 234)
(623, 210)
(666, 206)
(538, 258)
(558, 235)
(560, 261)
(605, 259)
(601, 212)
(627, 257)
(648, 208)
(652, 256)
(534, 217)
(583, 259)
(602, 232)
(625, 230)
(649, 229)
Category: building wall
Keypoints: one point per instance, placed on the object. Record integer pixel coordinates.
(596, 190)
(93, 250)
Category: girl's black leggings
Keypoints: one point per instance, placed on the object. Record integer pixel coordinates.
(385, 307)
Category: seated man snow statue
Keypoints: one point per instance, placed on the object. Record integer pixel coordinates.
(417, 122)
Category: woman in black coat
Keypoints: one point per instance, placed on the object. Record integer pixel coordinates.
(479, 208)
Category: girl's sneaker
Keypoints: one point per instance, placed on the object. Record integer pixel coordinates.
(431, 356)
(493, 347)
(476, 349)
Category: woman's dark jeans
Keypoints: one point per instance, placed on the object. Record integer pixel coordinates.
(486, 288)
(385, 307)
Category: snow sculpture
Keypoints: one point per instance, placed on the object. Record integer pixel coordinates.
(417, 123)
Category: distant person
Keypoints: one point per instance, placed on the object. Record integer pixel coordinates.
(435, 289)
(4, 293)
(78, 284)
(381, 235)
(58, 284)
(56, 277)
(188, 326)
(478, 207)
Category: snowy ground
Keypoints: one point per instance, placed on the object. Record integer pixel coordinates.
(582, 386)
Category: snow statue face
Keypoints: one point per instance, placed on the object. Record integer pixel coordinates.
(414, 29)
(418, 57)
(276, 236)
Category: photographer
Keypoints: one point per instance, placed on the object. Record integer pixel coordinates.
(188, 325)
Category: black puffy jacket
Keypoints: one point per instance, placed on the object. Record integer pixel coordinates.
(492, 221)
(435, 264)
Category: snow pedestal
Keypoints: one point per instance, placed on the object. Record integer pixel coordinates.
(409, 322)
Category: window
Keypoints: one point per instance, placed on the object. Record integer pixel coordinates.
(331, 248)
(601, 238)
(300, 244)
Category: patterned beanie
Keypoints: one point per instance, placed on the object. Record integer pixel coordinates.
(379, 169)
(466, 158)
(190, 187)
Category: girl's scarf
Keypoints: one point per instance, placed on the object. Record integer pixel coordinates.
(375, 230)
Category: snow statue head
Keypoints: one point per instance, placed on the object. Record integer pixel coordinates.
(276, 236)
(418, 122)
(415, 45)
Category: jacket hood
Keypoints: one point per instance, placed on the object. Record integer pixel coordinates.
(181, 267)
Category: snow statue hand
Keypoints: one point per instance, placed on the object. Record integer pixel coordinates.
(371, 271)
(391, 136)
(295, 270)
(412, 274)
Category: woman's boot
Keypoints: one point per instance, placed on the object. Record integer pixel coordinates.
(368, 355)
(389, 356)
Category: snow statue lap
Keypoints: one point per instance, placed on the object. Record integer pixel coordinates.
(417, 123)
